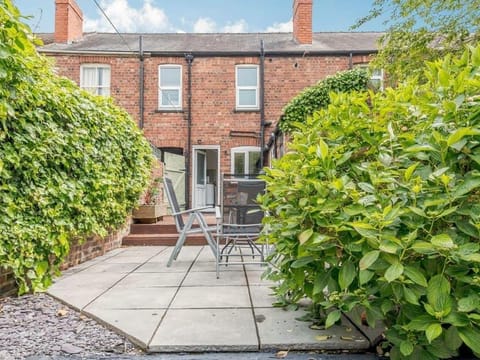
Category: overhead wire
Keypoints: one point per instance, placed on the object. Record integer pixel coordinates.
(111, 23)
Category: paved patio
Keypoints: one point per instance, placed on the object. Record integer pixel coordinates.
(185, 308)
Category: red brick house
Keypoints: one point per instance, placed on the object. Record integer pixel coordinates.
(208, 102)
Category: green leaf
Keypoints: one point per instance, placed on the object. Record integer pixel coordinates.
(418, 211)
(368, 259)
(301, 262)
(389, 247)
(394, 272)
(420, 323)
(415, 275)
(433, 331)
(409, 172)
(423, 247)
(442, 241)
(460, 133)
(469, 303)
(410, 296)
(323, 149)
(470, 336)
(332, 318)
(452, 338)
(346, 275)
(304, 236)
(406, 347)
(471, 182)
(438, 293)
(365, 276)
(41, 267)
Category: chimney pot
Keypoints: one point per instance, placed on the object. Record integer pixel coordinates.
(302, 21)
(68, 21)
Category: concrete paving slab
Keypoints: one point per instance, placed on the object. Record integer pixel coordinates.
(128, 259)
(279, 329)
(145, 249)
(139, 331)
(152, 280)
(255, 278)
(262, 296)
(203, 330)
(87, 279)
(210, 279)
(161, 267)
(104, 267)
(211, 297)
(140, 298)
(205, 266)
(77, 298)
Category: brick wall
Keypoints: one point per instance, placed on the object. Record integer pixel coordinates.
(213, 95)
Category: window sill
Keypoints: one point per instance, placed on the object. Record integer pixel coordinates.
(169, 111)
(246, 110)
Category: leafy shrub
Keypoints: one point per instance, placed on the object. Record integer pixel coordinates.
(71, 164)
(317, 96)
(376, 208)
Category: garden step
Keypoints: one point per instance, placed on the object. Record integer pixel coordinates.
(161, 240)
(158, 228)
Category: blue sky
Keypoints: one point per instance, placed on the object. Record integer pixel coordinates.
(201, 15)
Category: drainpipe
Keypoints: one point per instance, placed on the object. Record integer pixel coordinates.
(262, 102)
(189, 59)
(350, 61)
(141, 83)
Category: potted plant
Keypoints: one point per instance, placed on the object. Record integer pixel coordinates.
(150, 208)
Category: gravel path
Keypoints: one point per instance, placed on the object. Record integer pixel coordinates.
(38, 325)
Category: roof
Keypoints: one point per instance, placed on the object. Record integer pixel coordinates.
(220, 43)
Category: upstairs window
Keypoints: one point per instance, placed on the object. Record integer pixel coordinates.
(247, 85)
(95, 78)
(246, 160)
(170, 87)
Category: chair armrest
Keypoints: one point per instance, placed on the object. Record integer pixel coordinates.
(192, 210)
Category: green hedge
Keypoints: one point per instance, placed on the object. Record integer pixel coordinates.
(376, 208)
(317, 96)
(71, 165)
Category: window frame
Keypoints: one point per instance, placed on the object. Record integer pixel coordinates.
(246, 150)
(238, 88)
(161, 88)
(97, 86)
(372, 77)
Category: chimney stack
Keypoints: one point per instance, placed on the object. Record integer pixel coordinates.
(302, 21)
(68, 21)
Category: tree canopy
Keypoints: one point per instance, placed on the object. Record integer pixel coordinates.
(423, 30)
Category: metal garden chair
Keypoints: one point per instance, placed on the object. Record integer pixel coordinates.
(240, 221)
(186, 228)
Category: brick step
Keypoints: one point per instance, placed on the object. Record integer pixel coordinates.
(161, 240)
(157, 228)
(166, 226)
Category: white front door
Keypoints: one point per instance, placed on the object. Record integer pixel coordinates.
(200, 178)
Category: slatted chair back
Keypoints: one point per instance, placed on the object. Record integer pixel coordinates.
(175, 207)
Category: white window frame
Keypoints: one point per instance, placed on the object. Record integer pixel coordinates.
(97, 86)
(238, 88)
(245, 150)
(178, 88)
(374, 77)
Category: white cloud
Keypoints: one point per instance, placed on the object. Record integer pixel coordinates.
(204, 25)
(239, 26)
(281, 27)
(148, 18)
